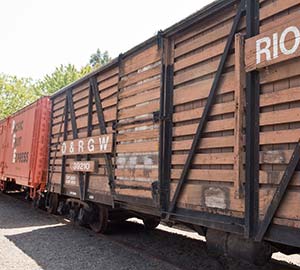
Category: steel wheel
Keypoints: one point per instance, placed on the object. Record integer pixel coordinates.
(151, 223)
(53, 203)
(99, 224)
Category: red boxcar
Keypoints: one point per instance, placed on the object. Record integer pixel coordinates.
(24, 147)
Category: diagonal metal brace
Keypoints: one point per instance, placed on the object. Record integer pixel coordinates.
(101, 120)
(75, 136)
(279, 193)
(207, 109)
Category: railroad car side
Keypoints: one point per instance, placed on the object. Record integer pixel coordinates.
(253, 193)
(197, 125)
(81, 161)
(25, 147)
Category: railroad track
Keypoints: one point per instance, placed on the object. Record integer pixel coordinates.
(177, 251)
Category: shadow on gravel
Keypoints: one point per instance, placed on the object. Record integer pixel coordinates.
(23, 214)
(127, 246)
(73, 248)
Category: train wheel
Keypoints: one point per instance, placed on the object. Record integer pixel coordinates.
(99, 223)
(3, 186)
(38, 202)
(151, 223)
(223, 243)
(53, 202)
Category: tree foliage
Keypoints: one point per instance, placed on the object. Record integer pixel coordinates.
(99, 59)
(61, 77)
(16, 93)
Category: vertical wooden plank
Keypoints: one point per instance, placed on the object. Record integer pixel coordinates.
(239, 111)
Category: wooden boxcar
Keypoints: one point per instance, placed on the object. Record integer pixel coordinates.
(24, 147)
(199, 125)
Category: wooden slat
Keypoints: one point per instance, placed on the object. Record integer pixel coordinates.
(218, 32)
(201, 70)
(79, 88)
(206, 27)
(151, 146)
(139, 110)
(83, 103)
(108, 73)
(81, 122)
(141, 98)
(274, 177)
(138, 135)
(212, 126)
(137, 173)
(275, 156)
(108, 83)
(128, 127)
(140, 76)
(279, 72)
(279, 136)
(147, 184)
(200, 90)
(271, 137)
(287, 207)
(278, 97)
(134, 192)
(205, 159)
(108, 92)
(208, 175)
(109, 114)
(279, 21)
(280, 117)
(139, 88)
(142, 59)
(217, 109)
(206, 143)
(200, 56)
(276, 7)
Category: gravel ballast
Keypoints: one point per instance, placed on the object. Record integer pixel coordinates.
(31, 240)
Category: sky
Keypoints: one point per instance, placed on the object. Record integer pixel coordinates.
(38, 35)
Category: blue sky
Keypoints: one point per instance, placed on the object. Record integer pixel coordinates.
(38, 35)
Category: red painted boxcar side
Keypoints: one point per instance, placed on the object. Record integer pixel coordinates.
(24, 147)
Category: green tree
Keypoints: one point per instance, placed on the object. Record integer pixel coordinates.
(16, 93)
(99, 59)
(61, 77)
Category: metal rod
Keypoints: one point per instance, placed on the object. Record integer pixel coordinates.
(102, 126)
(63, 165)
(252, 130)
(168, 127)
(89, 134)
(75, 136)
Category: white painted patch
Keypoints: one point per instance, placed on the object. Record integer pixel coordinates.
(215, 198)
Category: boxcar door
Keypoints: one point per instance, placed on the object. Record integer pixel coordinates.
(206, 80)
(137, 137)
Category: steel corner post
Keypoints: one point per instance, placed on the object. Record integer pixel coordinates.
(252, 130)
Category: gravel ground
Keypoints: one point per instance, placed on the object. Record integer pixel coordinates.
(32, 239)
